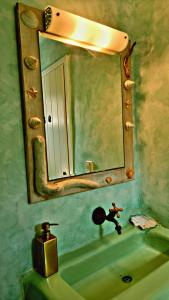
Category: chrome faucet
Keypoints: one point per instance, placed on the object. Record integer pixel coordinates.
(99, 216)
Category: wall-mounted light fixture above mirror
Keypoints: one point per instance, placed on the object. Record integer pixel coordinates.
(42, 186)
(82, 32)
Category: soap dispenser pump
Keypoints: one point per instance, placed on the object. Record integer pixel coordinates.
(44, 250)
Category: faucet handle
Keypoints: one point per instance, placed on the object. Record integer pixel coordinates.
(115, 209)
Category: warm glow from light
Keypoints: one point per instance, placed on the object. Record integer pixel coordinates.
(103, 38)
(80, 32)
(74, 43)
(85, 33)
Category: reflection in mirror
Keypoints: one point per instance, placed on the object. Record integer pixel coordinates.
(82, 109)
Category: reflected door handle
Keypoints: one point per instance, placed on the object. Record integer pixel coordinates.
(129, 125)
(49, 119)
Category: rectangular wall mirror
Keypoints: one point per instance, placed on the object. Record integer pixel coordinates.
(77, 112)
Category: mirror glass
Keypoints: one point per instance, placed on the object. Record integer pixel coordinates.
(82, 109)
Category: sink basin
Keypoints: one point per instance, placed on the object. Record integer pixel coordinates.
(134, 264)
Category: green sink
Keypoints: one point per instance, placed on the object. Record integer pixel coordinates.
(132, 265)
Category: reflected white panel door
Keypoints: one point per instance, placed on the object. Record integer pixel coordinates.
(56, 94)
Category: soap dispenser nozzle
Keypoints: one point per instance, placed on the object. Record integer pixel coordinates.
(46, 229)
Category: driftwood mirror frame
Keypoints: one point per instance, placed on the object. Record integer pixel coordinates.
(29, 23)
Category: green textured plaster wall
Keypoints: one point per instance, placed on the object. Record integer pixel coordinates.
(148, 25)
(146, 22)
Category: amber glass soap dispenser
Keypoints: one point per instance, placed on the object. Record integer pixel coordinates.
(44, 250)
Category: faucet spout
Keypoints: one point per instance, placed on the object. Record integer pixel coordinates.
(111, 218)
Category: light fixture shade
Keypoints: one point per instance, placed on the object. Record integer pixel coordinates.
(83, 32)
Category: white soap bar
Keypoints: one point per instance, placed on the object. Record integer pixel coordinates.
(143, 222)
